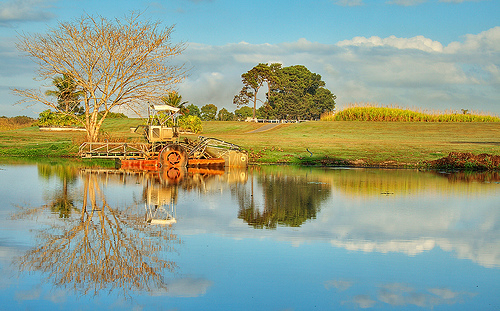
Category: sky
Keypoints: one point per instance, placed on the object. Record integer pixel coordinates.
(426, 55)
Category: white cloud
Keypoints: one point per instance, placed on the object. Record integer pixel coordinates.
(410, 248)
(409, 72)
(482, 44)
(340, 285)
(406, 2)
(397, 294)
(402, 295)
(363, 301)
(31, 294)
(459, 1)
(417, 43)
(24, 10)
(349, 2)
(415, 72)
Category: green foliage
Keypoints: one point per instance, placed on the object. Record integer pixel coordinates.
(21, 120)
(50, 118)
(193, 110)
(243, 113)
(191, 123)
(208, 112)
(225, 115)
(68, 95)
(299, 95)
(294, 93)
(175, 100)
(402, 115)
(253, 80)
(161, 118)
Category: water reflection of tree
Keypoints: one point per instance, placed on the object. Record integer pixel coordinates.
(288, 201)
(103, 248)
(61, 202)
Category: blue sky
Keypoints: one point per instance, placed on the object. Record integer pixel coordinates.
(419, 54)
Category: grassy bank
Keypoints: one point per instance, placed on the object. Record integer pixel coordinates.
(364, 143)
(328, 143)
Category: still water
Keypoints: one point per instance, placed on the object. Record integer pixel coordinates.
(268, 238)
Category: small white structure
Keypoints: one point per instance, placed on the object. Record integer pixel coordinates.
(160, 204)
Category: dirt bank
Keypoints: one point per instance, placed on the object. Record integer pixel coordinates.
(467, 161)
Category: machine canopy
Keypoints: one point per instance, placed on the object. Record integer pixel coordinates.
(165, 108)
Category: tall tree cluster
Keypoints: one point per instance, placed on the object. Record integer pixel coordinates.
(293, 93)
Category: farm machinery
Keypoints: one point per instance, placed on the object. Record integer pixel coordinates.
(165, 149)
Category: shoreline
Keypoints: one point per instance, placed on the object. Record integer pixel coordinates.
(455, 161)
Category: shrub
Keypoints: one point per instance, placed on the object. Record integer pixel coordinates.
(191, 123)
(15, 122)
(50, 118)
(21, 120)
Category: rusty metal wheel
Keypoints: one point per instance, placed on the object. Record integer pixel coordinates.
(173, 155)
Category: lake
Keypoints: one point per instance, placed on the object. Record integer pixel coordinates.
(266, 238)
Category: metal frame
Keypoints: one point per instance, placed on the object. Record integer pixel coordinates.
(119, 150)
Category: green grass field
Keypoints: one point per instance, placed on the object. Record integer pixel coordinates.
(363, 143)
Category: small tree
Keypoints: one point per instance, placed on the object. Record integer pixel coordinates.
(243, 113)
(193, 110)
(225, 115)
(112, 62)
(208, 112)
(67, 94)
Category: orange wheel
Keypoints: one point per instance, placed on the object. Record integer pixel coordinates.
(173, 155)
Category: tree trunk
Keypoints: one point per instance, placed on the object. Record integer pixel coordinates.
(254, 104)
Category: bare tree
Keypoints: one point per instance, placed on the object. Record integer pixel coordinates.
(114, 63)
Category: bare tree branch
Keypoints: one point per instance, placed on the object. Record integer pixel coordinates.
(114, 63)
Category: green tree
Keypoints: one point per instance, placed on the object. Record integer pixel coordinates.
(68, 95)
(193, 110)
(299, 94)
(293, 92)
(208, 112)
(253, 80)
(62, 202)
(225, 115)
(243, 112)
